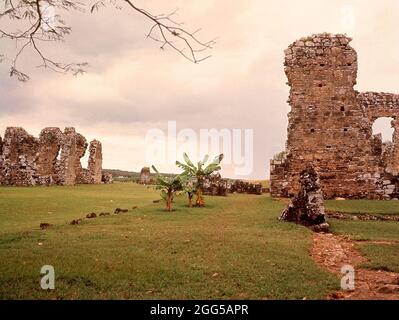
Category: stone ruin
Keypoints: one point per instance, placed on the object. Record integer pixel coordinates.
(330, 125)
(215, 185)
(239, 186)
(51, 159)
(307, 207)
(107, 177)
(145, 176)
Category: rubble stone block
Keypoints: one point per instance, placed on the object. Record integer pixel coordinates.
(307, 207)
(107, 178)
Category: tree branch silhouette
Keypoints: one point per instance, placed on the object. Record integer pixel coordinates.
(39, 26)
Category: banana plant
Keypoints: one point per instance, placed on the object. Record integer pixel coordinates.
(190, 187)
(169, 187)
(199, 172)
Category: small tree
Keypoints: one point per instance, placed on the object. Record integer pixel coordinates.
(200, 173)
(190, 186)
(169, 187)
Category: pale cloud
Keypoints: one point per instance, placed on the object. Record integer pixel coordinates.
(133, 86)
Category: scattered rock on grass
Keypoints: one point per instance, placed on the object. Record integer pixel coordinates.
(91, 215)
(323, 227)
(76, 221)
(45, 225)
(119, 210)
(104, 214)
(362, 217)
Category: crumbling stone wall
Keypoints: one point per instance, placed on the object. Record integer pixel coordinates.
(19, 157)
(50, 140)
(215, 185)
(330, 124)
(145, 176)
(74, 146)
(53, 158)
(95, 161)
(278, 175)
(239, 186)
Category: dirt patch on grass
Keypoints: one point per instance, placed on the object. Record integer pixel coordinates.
(332, 252)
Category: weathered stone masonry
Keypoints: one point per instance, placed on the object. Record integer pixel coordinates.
(330, 125)
(145, 176)
(51, 159)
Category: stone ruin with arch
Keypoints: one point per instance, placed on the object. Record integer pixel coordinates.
(330, 125)
(52, 159)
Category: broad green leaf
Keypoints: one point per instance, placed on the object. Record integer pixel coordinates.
(184, 167)
(187, 159)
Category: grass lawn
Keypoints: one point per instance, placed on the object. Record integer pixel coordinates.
(235, 248)
(363, 206)
(383, 256)
(367, 230)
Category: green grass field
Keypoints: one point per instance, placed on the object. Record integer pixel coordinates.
(363, 206)
(235, 248)
(370, 234)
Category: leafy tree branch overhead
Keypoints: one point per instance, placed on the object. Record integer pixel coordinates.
(31, 23)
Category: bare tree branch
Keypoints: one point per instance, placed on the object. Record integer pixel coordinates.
(169, 29)
(38, 27)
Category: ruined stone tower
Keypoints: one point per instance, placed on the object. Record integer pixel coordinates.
(330, 124)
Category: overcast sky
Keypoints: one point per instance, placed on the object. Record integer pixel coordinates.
(132, 86)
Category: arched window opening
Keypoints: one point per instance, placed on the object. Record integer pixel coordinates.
(384, 127)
